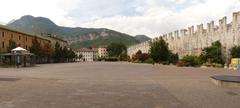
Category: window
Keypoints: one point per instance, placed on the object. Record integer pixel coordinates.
(3, 44)
(11, 36)
(26, 38)
(19, 37)
(3, 34)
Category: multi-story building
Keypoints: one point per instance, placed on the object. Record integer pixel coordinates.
(23, 40)
(102, 52)
(87, 54)
(91, 54)
(191, 42)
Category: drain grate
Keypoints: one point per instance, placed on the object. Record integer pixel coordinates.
(9, 79)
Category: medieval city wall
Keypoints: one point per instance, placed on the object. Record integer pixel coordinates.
(192, 40)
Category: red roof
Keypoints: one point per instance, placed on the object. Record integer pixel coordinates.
(88, 50)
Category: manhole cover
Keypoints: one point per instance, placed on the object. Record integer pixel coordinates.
(9, 79)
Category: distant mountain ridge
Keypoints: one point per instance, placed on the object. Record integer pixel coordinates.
(2, 23)
(142, 38)
(77, 37)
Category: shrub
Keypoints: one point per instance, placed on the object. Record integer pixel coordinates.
(181, 63)
(100, 59)
(192, 60)
(173, 58)
(123, 57)
(213, 54)
(140, 57)
(150, 61)
(113, 59)
(165, 62)
(213, 65)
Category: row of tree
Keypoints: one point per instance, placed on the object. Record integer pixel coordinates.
(160, 53)
(46, 54)
(117, 51)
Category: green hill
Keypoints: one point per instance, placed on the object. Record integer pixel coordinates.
(142, 38)
(77, 37)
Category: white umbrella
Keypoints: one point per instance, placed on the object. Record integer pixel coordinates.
(19, 49)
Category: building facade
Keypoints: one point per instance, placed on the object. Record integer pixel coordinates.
(91, 54)
(23, 40)
(102, 52)
(87, 54)
(191, 41)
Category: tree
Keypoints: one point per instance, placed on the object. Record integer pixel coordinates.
(65, 53)
(140, 57)
(57, 52)
(37, 50)
(47, 51)
(159, 51)
(36, 47)
(80, 56)
(12, 45)
(71, 55)
(116, 49)
(213, 54)
(235, 52)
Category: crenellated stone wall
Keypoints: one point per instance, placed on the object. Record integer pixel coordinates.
(144, 47)
(191, 42)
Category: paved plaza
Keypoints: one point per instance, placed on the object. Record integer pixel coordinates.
(114, 85)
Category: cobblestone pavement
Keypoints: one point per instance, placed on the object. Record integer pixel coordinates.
(114, 85)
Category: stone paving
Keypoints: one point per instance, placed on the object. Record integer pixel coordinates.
(114, 85)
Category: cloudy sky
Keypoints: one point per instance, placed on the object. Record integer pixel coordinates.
(150, 17)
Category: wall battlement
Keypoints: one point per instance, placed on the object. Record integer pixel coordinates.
(191, 42)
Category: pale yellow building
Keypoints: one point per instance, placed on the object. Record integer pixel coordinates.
(102, 52)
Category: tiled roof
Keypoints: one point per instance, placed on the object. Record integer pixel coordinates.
(88, 50)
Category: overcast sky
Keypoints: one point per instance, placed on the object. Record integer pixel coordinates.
(150, 17)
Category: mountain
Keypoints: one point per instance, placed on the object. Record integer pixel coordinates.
(142, 38)
(77, 37)
(2, 23)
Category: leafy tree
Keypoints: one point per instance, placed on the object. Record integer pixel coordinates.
(116, 49)
(36, 47)
(12, 45)
(80, 56)
(65, 53)
(235, 52)
(71, 55)
(47, 51)
(136, 56)
(57, 52)
(213, 54)
(159, 51)
(140, 57)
